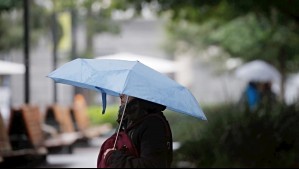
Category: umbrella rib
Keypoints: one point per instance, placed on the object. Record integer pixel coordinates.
(85, 62)
(126, 81)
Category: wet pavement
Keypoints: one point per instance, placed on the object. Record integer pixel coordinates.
(82, 157)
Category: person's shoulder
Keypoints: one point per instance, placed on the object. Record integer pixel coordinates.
(156, 119)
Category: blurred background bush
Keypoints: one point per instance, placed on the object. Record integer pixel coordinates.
(242, 139)
(96, 117)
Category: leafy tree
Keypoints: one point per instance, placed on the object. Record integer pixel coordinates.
(11, 23)
(8, 38)
(254, 37)
(6, 5)
(97, 18)
(248, 29)
(97, 22)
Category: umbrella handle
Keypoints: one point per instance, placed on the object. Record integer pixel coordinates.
(121, 120)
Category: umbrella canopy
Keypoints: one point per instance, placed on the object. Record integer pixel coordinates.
(115, 77)
(160, 65)
(259, 71)
(10, 68)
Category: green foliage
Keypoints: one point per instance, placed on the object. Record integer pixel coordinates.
(97, 19)
(11, 22)
(251, 30)
(120, 4)
(11, 38)
(242, 139)
(193, 35)
(226, 10)
(6, 5)
(241, 34)
(183, 127)
(64, 5)
(254, 37)
(11, 25)
(10, 33)
(96, 117)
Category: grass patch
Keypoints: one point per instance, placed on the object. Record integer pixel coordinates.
(97, 118)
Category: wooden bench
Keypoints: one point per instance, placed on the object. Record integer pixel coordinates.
(64, 136)
(81, 120)
(23, 137)
(25, 126)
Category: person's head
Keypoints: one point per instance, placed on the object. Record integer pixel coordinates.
(267, 86)
(137, 107)
(253, 83)
(264, 87)
(123, 99)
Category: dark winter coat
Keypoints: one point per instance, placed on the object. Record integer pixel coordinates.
(151, 136)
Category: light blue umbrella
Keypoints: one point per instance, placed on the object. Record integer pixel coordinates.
(115, 77)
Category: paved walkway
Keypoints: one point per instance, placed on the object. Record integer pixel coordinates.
(82, 157)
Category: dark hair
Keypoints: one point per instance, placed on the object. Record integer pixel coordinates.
(139, 107)
(252, 83)
(149, 107)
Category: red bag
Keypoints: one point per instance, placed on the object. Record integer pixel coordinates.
(123, 143)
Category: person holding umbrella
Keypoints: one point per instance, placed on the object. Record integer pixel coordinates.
(260, 76)
(149, 132)
(144, 94)
(251, 96)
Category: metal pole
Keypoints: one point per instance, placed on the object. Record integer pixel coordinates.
(26, 7)
(55, 41)
(74, 34)
(74, 41)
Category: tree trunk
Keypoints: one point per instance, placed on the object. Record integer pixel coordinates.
(282, 69)
(89, 33)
